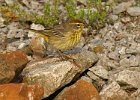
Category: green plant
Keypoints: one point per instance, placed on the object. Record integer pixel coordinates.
(49, 17)
(81, 14)
(70, 7)
(99, 17)
(50, 13)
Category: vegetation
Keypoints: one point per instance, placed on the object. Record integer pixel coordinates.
(93, 17)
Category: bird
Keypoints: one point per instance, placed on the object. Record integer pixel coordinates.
(64, 36)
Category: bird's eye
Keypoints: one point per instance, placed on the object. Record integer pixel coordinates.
(78, 25)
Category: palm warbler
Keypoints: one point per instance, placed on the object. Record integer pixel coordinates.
(64, 36)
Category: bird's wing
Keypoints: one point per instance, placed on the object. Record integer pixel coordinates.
(58, 30)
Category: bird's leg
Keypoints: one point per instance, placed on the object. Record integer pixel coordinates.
(67, 57)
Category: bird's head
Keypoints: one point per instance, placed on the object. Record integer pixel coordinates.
(76, 24)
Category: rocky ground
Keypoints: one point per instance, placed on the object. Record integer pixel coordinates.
(107, 68)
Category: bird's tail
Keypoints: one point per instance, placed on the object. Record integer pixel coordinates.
(40, 33)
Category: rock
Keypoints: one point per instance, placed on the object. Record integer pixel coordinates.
(84, 2)
(1, 22)
(92, 76)
(122, 7)
(122, 51)
(134, 48)
(13, 30)
(22, 45)
(113, 92)
(34, 5)
(81, 90)
(125, 19)
(135, 95)
(16, 33)
(134, 68)
(3, 42)
(10, 48)
(53, 73)
(20, 33)
(50, 73)
(133, 11)
(85, 59)
(129, 78)
(26, 2)
(97, 81)
(95, 45)
(11, 63)
(31, 34)
(15, 45)
(20, 92)
(38, 47)
(85, 78)
(114, 55)
(109, 46)
(137, 39)
(99, 71)
(118, 26)
(129, 61)
(113, 17)
(10, 2)
(11, 34)
(107, 63)
(37, 27)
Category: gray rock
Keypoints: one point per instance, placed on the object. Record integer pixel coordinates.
(3, 43)
(14, 31)
(113, 17)
(125, 19)
(92, 76)
(50, 73)
(85, 59)
(83, 1)
(112, 64)
(129, 61)
(86, 79)
(10, 2)
(1, 22)
(97, 81)
(133, 11)
(38, 46)
(22, 45)
(11, 34)
(130, 78)
(122, 50)
(135, 95)
(137, 38)
(114, 55)
(53, 73)
(99, 71)
(107, 63)
(37, 27)
(133, 49)
(19, 33)
(122, 7)
(113, 92)
(134, 68)
(110, 46)
(118, 26)
(31, 34)
(11, 48)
